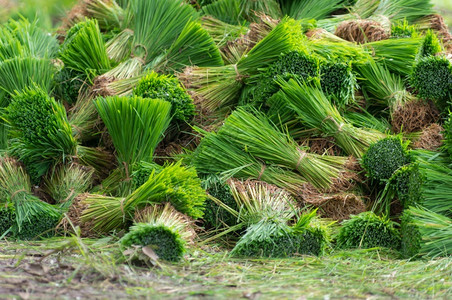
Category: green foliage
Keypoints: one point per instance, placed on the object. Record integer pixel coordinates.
(309, 9)
(7, 218)
(384, 157)
(407, 182)
(193, 47)
(68, 83)
(135, 125)
(403, 29)
(142, 171)
(41, 132)
(165, 242)
(216, 216)
(293, 64)
(37, 226)
(168, 88)
(435, 230)
(432, 79)
(431, 45)
(411, 237)
(338, 82)
(368, 230)
(84, 50)
(267, 239)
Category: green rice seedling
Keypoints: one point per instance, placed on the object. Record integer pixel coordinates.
(41, 134)
(120, 46)
(168, 88)
(410, 236)
(20, 38)
(18, 73)
(219, 87)
(222, 32)
(383, 88)
(217, 154)
(7, 219)
(194, 46)
(368, 230)
(316, 112)
(162, 229)
(29, 211)
(84, 49)
(333, 48)
(403, 29)
(38, 226)
(384, 157)
(135, 125)
(296, 64)
(338, 82)
(267, 239)
(310, 9)
(157, 24)
(66, 182)
(256, 135)
(437, 181)
(398, 55)
(366, 119)
(216, 216)
(409, 10)
(405, 184)
(431, 44)
(431, 78)
(251, 9)
(175, 184)
(435, 230)
(68, 84)
(108, 14)
(228, 11)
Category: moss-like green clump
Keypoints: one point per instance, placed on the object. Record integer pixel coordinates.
(367, 230)
(166, 243)
(430, 45)
(214, 215)
(7, 218)
(411, 236)
(168, 88)
(432, 79)
(402, 29)
(68, 83)
(407, 182)
(384, 157)
(338, 82)
(38, 226)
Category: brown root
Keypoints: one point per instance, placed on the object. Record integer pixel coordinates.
(338, 207)
(431, 138)
(361, 31)
(414, 116)
(322, 145)
(101, 86)
(74, 216)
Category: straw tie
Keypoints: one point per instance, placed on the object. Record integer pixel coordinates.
(261, 171)
(303, 154)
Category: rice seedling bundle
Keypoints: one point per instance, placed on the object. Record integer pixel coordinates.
(431, 78)
(435, 230)
(409, 10)
(220, 87)
(222, 32)
(84, 49)
(310, 9)
(316, 111)
(162, 229)
(194, 46)
(32, 216)
(410, 236)
(431, 44)
(168, 88)
(135, 125)
(384, 157)
(228, 11)
(398, 55)
(254, 134)
(41, 134)
(7, 218)
(176, 184)
(68, 84)
(217, 154)
(216, 216)
(368, 230)
(402, 29)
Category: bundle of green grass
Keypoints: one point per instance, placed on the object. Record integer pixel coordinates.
(431, 78)
(159, 229)
(168, 88)
(367, 230)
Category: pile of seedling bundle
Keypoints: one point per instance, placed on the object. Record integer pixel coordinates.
(272, 128)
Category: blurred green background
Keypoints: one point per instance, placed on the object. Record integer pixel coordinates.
(51, 11)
